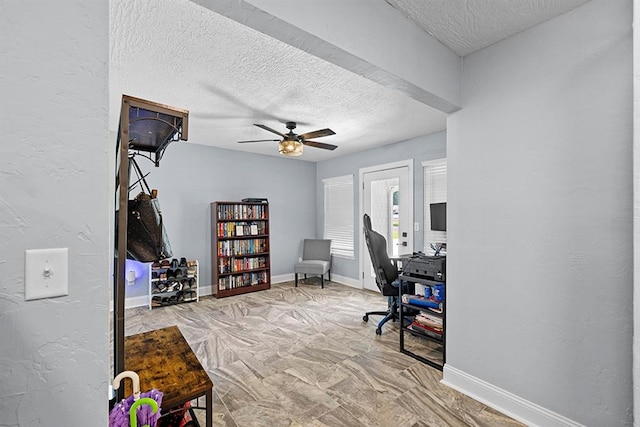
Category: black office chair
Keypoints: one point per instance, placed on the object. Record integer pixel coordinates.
(386, 272)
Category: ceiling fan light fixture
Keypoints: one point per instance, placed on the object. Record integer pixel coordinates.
(290, 148)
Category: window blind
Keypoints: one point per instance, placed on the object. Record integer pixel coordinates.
(338, 214)
(435, 191)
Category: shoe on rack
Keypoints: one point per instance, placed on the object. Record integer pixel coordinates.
(183, 262)
(174, 263)
(165, 263)
(191, 271)
(190, 295)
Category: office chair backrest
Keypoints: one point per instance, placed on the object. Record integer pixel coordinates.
(386, 271)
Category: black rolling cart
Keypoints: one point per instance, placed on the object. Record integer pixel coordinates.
(428, 271)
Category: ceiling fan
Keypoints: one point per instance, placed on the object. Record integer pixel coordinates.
(291, 143)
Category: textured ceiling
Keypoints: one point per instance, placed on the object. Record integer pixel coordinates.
(466, 26)
(230, 76)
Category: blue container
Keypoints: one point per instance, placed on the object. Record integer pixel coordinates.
(427, 291)
(438, 292)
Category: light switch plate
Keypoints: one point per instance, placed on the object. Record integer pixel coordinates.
(416, 226)
(46, 273)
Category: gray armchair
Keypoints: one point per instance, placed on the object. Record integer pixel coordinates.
(316, 259)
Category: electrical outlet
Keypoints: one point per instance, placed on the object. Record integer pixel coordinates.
(46, 273)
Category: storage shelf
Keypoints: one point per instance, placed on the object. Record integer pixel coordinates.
(254, 254)
(438, 339)
(248, 236)
(238, 273)
(192, 292)
(227, 218)
(421, 334)
(242, 290)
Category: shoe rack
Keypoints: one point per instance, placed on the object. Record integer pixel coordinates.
(173, 281)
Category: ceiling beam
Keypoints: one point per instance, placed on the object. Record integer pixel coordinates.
(366, 37)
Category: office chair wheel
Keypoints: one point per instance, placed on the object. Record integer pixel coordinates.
(365, 318)
(378, 331)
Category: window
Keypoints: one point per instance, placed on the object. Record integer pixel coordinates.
(435, 191)
(338, 214)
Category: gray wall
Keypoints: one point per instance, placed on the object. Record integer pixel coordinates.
(419, 149)
(540, 216)
(191, 176)
(54, 353)
(636, 206)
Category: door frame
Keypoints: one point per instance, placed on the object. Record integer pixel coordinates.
(377, 168)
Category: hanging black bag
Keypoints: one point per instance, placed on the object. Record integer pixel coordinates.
(147, 239)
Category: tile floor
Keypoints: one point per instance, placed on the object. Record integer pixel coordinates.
(304, 357)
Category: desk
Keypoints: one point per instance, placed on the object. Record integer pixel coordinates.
(164, 360)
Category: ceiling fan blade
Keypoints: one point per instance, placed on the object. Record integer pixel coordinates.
(259, 140)
(269, 129)
(320, 145)
(317, 134)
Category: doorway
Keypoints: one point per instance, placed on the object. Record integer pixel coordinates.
(387, 197)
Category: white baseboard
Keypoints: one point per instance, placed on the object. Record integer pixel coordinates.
(143, 300)
(139, 301)
(334, 278)
(282, 278)
(508, 403)
(205, 290)
(347, 281)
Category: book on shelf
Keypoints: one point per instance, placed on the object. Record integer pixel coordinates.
(430, 320)
(426, 330)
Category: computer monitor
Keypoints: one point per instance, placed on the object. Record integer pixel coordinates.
(438, 216)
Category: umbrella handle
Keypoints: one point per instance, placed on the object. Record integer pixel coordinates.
(135, 379)
(133, 416)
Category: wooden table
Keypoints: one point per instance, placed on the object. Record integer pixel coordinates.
(164, 360)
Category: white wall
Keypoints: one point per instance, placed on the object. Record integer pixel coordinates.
(368, 38)
(636, 208)
(54, 353)
(192, 176)
(540, 219)
(427, 147)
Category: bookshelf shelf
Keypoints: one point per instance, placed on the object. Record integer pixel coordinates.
(240, 248)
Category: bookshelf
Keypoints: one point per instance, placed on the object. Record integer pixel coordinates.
(239, 248)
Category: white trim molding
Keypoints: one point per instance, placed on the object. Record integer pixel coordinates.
(501, 400)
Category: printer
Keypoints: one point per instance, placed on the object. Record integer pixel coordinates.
(425, 267)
